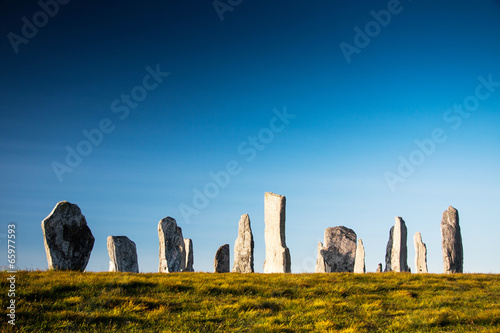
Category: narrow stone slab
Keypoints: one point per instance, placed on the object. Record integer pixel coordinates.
(172, 252)
(221, 261)
(122, 254)
(243, 247)
(379, 268)
(67, 238)
(453, 253)
(339, 252)
(359, 263)
(397, 252)
(388, 251)
(420, 254)
(188, 246)
(277, 254)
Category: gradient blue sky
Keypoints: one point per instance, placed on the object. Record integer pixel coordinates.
(352, 123)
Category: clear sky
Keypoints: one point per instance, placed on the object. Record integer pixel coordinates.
(356, 111)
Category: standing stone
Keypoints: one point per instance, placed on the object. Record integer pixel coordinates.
(277, 254)
(243, 247)
(420, 254)
(339, 252)
(122, 254)
(320, 261)
(172, 251)
(453, 260)
(359, 263)
(188, 246)
(221, 261)
(379, 268)
(67, 238)
(397, 252)
(388, 252)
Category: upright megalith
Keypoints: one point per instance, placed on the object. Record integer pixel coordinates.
(359, 262)
(221, 261)
(67, 238)
(339, 252)
(396, 257)
(188, 246)
(122, 254)
(277, 254)
(420, 254)
(243, 247)
(379, 268)
(453, 259)
(388, 252)
(172, 248)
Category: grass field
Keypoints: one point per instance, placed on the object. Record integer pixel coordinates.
(200, 302)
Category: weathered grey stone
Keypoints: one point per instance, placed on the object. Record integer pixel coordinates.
(339, 252)
(277, 254)
(67, 238)
(320, 261)
(420, 254)
(397, 252)
(122, 254)
(188, 246)
(379, 268)
(453, 259)
(221, 261)
(359, 262)
(388, 251)
(172, 251)
(243, 247)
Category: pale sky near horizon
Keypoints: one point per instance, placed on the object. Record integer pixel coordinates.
(356, 111)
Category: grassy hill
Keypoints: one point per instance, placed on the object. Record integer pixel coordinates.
(201, 302)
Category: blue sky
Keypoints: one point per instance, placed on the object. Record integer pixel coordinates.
(349, 124)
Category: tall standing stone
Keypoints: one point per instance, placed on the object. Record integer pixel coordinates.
(397, 252)
(122, 254)
(277, 254)
(420, 254)
(188, 246)
(453, 259)
(388, 252)
(243, 247)
(359, 263)
(67, 238)
(339, 252)
(172, 251)
(221, 261)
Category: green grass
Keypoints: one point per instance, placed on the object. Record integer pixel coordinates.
(200, 302)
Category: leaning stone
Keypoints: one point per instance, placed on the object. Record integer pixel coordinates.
(339, 252)
(420, 254)
(172, 252)
(188, 246)
(221, 261)
(122, 254)
(397, 254)
(453, 259)
(277, 254)
(359, 263)
(67, 238)
(243, 247)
